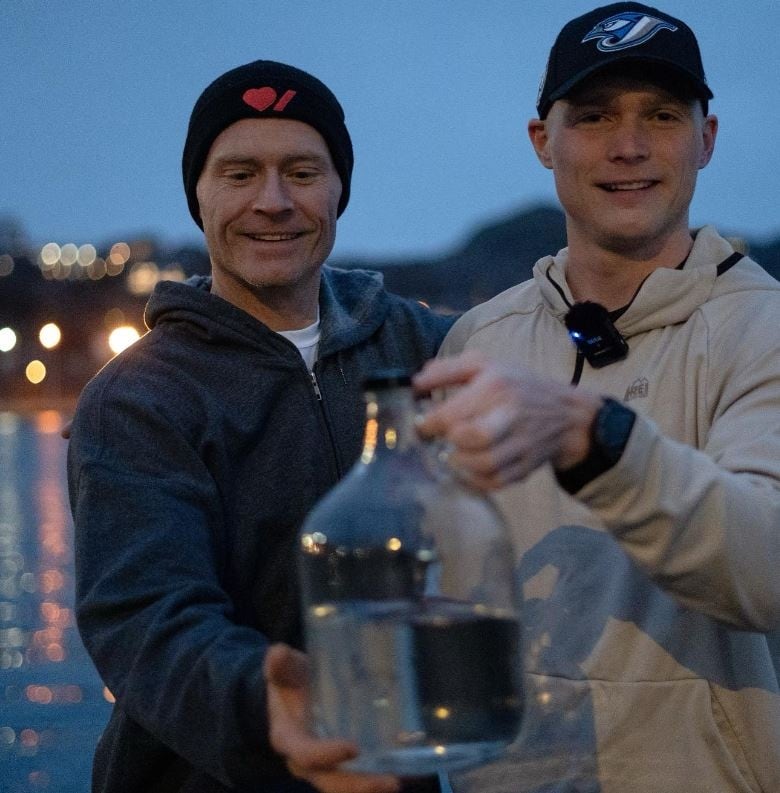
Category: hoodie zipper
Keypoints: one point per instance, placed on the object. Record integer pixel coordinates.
(316, 387)
(323, 413)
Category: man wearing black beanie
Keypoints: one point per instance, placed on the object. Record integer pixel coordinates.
(265, 89)
(196, 453)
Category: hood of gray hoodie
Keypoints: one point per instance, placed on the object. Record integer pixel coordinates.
(353, 305)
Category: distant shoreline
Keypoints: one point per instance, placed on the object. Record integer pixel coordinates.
(34, 405)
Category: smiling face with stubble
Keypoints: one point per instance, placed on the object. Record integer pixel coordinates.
(268, 197)
(625, 153)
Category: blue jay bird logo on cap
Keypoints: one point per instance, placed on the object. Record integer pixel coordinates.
(621, 31)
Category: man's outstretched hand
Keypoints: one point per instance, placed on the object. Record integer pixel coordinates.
(316, 760)
(502, 423)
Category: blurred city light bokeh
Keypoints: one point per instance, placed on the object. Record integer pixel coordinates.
(66, 308)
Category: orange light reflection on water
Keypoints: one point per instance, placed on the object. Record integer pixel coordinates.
(48, 422)
(51, 532)
(51, 698)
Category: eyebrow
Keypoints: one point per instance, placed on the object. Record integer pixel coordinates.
(598, 95)
(291, 159)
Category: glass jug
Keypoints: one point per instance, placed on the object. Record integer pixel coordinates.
(409, 609)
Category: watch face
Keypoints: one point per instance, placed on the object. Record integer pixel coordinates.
(612, 429)
(608, 438)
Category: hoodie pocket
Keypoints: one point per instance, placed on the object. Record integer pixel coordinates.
(667, 736)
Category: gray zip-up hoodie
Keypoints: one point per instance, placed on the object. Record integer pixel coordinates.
(194, 457)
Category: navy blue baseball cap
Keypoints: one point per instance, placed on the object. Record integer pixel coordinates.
(617, 33)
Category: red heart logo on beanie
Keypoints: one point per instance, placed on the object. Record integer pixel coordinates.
(260, 98)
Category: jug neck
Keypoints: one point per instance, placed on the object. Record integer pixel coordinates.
(391, 411)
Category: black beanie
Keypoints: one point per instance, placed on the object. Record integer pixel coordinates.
(264, 89)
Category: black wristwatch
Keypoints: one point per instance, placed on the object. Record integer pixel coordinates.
(609, 435)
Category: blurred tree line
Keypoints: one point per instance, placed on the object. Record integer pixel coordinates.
(490, 260)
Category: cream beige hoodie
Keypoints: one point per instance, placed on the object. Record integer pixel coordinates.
(645, 597)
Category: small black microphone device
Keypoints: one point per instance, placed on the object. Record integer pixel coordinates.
(595, 335)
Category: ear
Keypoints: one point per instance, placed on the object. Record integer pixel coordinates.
(537, 132)
(709, 133)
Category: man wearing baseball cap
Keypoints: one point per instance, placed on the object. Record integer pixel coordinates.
(196, 454)
(631, 434)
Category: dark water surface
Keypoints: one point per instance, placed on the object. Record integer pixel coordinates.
(53, 705)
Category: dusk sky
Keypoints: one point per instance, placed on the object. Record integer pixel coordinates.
(96, 96)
